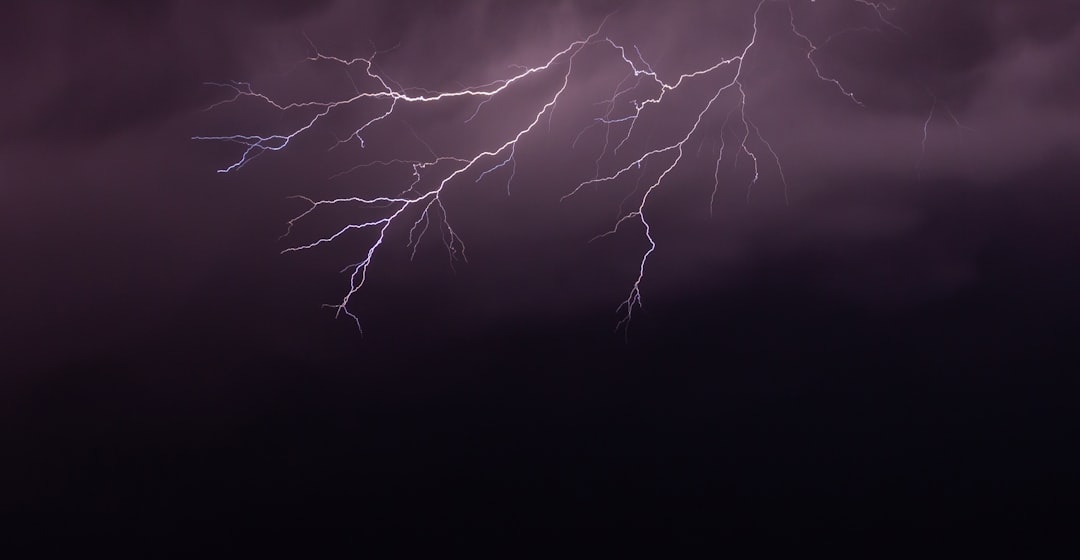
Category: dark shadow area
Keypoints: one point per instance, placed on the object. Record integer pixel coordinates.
(769, 408)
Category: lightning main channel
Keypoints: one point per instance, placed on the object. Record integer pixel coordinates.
(419, 204)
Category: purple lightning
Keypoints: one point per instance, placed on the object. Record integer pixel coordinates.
(641, 91)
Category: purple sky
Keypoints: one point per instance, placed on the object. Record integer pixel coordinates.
(118, 222)
(896, 288)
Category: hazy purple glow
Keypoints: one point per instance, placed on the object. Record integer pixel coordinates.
(101, 182)
(711, 104)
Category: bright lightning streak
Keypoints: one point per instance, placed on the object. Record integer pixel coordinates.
(424, 205)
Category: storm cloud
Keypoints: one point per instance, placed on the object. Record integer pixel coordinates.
(120, 222)
(885, 342)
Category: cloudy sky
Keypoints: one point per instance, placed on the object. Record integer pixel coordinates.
(927, 234)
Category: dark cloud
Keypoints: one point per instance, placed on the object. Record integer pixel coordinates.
(110, 199)
(87, 70)
(897, 334)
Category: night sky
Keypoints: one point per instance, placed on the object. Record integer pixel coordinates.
(889, 347)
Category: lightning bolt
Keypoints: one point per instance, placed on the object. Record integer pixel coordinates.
(642, 91)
